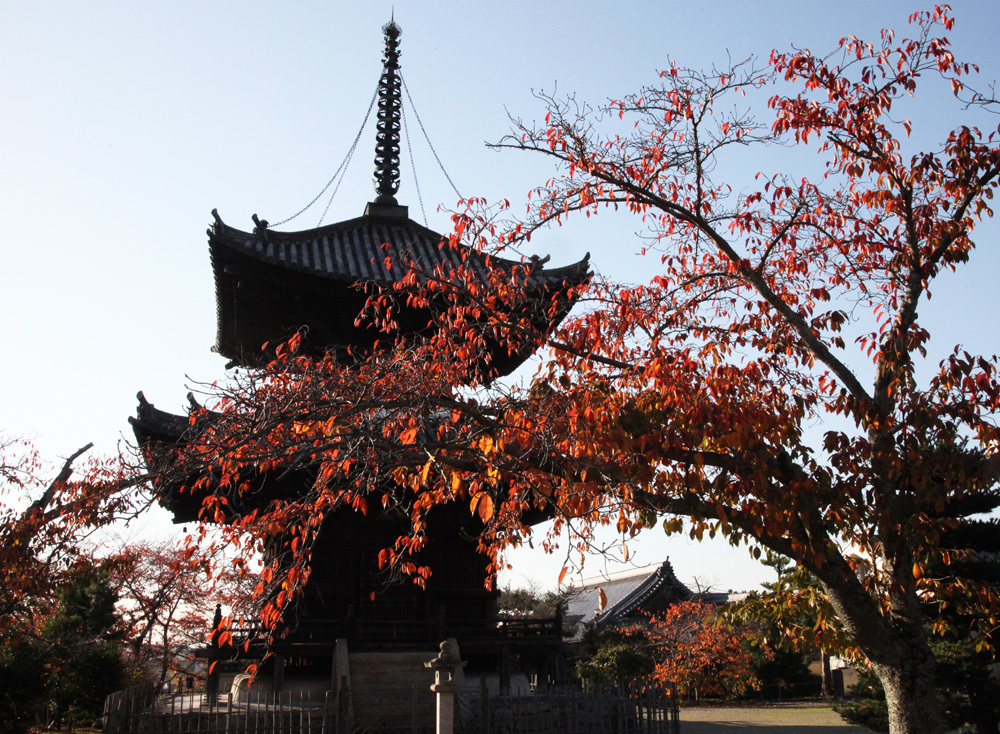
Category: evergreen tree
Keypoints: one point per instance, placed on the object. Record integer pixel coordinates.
(964, 561)
(22, 683)
(793, 622)
(61, 669)
(84, 661)
(614, 657)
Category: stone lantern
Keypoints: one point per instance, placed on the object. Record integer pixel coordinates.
(445, 685)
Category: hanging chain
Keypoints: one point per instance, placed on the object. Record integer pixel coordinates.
(427, 138)
(347, 162)
(413, 164)
(341, 168)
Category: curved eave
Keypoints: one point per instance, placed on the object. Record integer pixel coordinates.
(376, 249)
(269, 284)
(663, 578)
(150, 424)
(157, 432)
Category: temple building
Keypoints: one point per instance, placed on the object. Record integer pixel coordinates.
(271, 284)
(628, 596)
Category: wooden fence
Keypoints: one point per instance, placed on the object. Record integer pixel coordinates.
(136, 711)
(404, 710)
(635, 711)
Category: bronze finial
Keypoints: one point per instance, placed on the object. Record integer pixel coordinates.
(389, 116)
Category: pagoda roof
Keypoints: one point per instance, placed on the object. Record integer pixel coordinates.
(374, 248)
(270, 283)
(159, 432)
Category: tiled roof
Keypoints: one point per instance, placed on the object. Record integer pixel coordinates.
(268, 283)
(356, 251)
(625, 591)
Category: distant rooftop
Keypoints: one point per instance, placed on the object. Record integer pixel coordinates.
(650, 588)
(646, 588)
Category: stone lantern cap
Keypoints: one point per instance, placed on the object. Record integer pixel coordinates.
(446, 658)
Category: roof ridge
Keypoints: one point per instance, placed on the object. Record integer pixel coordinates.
(616, 576)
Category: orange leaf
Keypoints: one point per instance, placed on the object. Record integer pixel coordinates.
(602, 600)
(485, 509)
(486, 445)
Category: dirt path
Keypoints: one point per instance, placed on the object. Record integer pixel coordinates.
(795, 718)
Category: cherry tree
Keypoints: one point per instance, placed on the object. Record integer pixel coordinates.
(781, 302)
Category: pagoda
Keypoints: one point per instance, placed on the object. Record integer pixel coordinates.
(272, 284)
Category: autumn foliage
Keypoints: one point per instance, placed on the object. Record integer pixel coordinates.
(695, 651)
(45, 522)
(60, 643)
(780, 303)
(82, 615)
(168, 593)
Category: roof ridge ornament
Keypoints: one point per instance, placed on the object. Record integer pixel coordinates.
(389, 119)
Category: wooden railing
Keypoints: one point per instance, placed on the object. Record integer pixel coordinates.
(400, 709)
(530, 628)
(328, 630)
(251, 712)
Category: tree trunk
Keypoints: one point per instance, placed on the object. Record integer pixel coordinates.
(909, 689)
(827, 688)
(897, 648)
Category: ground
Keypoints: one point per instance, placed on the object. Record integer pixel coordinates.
(790, 718)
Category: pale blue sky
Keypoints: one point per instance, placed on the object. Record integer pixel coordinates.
(123, 124)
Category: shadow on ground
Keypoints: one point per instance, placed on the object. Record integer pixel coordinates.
(794, 718)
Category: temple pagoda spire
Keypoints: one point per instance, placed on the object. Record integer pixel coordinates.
(389, 118)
